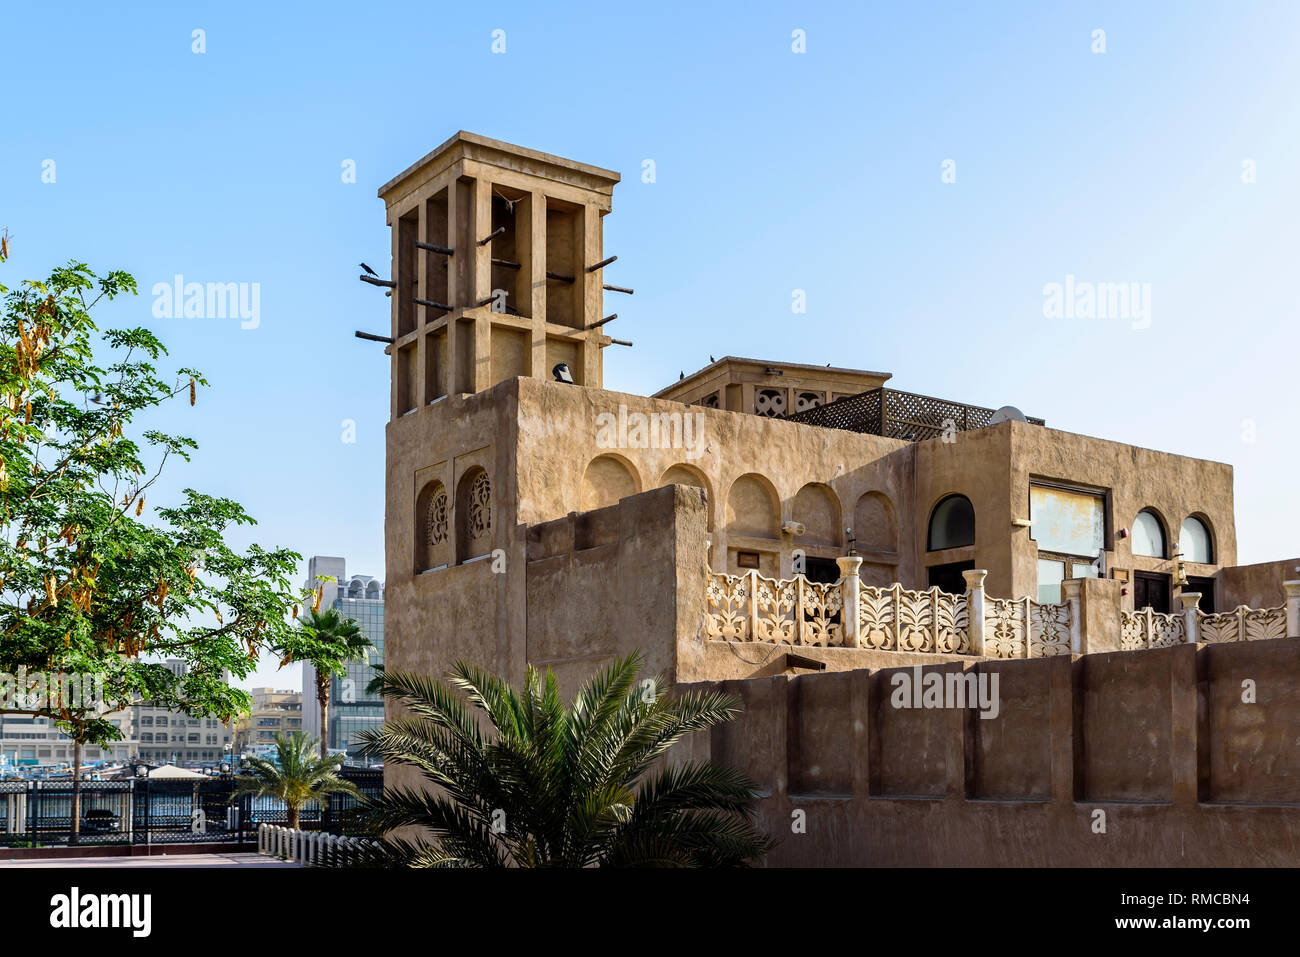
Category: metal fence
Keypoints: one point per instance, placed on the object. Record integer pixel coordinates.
(143, 811)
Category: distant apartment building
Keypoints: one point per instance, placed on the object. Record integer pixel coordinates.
(26, 742)
(274, 712)
(153, 734)
(352, 708)
(165, 736)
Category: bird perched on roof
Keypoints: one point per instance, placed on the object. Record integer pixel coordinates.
(711, 359)
(681, 376)
(369, 270)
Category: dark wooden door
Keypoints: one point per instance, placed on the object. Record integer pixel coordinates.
(1206, 587)
(824, 570)
(949, 577)
(1151, 590)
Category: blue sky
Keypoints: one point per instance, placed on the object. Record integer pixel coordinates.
(775, 171)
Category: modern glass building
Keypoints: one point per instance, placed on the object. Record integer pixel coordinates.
(352, 708)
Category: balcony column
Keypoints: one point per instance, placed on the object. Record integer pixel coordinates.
(852, 590)
(1073, 591)
(1292, 608)
(975, 607)
(1191, 625)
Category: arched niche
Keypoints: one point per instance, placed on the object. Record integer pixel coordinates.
(817, 508)
(875, 523)
(607, 479)
(680, 474)
(753, 509)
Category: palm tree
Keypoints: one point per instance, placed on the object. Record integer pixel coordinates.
(297, 775)
(557, 786)
(338, 640)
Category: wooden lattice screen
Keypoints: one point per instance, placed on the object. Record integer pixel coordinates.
(898, 415)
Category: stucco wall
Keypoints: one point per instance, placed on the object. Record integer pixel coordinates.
(1256, 586)
(605, 583)
(538, 440)
(1174, 486)
(1186, 773)
(559, 435)
(462, 611)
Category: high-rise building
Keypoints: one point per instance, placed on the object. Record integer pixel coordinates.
(351, 707)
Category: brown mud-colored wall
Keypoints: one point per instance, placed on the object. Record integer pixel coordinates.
(1160, 742)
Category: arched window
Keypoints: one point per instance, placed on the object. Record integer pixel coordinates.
(1194, 541)
(473, 515)
(1148, 535)
(952, 524)
(432, 528)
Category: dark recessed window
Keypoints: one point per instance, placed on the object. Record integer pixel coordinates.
(952, 524)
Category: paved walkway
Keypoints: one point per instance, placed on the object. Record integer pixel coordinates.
(157, 860)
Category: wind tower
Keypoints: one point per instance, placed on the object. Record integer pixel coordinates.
(497, 268)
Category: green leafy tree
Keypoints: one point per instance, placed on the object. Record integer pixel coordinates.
(92, 584)
(329, 641)
(298, 775)
(556, 786)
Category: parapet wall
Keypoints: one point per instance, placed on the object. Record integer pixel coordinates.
(1179, 756)
(604, 583)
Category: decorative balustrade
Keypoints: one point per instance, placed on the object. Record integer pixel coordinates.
(1244, 624)
(849, 614)
(1024, 628)
(795, 612)
(1145, 628)
(896, 619)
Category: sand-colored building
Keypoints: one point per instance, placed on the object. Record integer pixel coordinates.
(755, 518)
(273, 712)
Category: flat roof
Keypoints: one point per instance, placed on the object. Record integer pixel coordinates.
(462, 136)
(772, 362)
